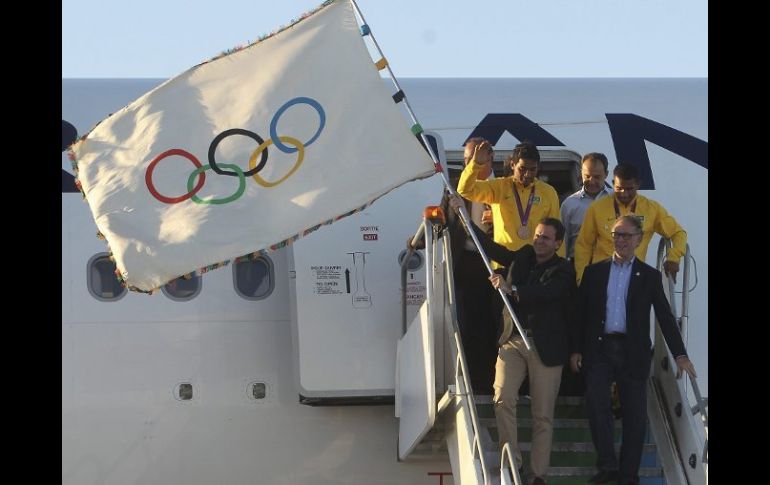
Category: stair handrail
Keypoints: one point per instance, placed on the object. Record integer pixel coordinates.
(701, 407)
(461, 363)
(428, 345)
(465, 392)
(508, 465)
(663, 247)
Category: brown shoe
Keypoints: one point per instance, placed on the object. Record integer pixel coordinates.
(539, 481)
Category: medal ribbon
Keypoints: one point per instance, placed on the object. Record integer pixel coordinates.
(617, 209)
(524, 217)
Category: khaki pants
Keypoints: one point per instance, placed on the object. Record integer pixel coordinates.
(514, 362)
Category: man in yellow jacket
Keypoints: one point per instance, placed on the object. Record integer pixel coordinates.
(519, 202)
(595, 241)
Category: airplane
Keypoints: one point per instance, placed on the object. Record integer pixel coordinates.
(296, 367)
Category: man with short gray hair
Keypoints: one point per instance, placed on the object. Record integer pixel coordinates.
(611, 341)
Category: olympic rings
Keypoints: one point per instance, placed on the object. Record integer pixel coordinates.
(290, 103)
(263, 146)
(225, 200)
(225, 134)
(191, 190)
(236, 171)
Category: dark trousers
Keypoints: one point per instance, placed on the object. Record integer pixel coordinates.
(476, 308)
(611, 365)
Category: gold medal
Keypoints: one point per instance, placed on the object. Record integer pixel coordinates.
(523, 232)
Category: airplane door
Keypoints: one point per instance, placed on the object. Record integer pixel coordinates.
(346, 297)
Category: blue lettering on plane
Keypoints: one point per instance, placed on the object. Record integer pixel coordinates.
(630, 131)
(522, 128)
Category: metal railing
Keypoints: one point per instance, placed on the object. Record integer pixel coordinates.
(681, 398)
(466, 393)
(462, 384)
(508, 467)
(461, 364)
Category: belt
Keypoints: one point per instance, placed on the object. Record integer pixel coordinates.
(614, 336)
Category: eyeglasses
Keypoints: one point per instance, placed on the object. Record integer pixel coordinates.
(623, 235)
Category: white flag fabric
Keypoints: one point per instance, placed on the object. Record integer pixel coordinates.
(247, 151)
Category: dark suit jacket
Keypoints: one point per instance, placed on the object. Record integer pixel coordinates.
(546, 292)
(645, 290)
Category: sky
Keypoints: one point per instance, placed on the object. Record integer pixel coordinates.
(420, 38)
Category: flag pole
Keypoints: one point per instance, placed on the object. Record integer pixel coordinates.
(417, 129)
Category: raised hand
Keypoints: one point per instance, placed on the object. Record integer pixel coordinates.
(482, 154)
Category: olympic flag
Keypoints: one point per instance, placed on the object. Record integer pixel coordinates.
(247, 151)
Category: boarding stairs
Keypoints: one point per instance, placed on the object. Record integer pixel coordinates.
(440, 416)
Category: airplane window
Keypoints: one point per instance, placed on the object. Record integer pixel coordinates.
(254, 278)
(183, 391)
(101, 280)
(182, 289)
(258, 390)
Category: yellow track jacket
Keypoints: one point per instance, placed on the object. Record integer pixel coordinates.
(505, 215)
(594, 242)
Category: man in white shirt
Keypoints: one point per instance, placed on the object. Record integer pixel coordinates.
(594, 170)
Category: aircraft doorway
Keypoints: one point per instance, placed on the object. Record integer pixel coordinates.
(561, 169)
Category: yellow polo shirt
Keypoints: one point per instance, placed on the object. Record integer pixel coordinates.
(594, 242)
(505, 215)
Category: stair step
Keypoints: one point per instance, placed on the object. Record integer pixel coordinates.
(525, 400)
(560, 435)
(493, 461)
(654, 480)
(435, 434)
(589, 471)
(482, 399)
(582, 447)
(431, 447)
(527, 422)
(572, 456)
(580, 480)
(574, 447)
(561, 411)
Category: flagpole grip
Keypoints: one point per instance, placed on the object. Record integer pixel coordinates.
(466, 221)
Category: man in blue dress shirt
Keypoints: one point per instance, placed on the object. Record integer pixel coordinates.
(594, 170)
(612, 342)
